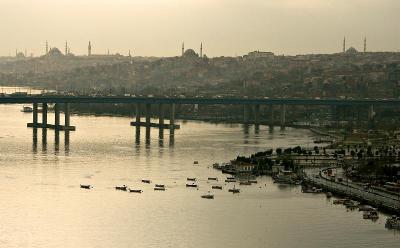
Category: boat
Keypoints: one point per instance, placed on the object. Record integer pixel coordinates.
(123, 187)
(393, 222)
(135, 190)
(160, 185)
(253, 181)
(365, 208)
(196, 162)
(245, 183)
(191, 179)
(230, 181)
(371, 214)
(27, 109)
(191, 185)
(230, 178)
(85, 186)
(216, 187)
(208, 196)
(146, 181)
(159, 188)
(234, 190)
(212, 179)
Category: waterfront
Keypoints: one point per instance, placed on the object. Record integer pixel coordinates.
(43, 206)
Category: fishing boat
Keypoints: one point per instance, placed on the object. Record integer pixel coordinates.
(371, 214)
(146, 181)
(393, 222)
(123, 187)
(191, 179)
(234, 190)
(216, 187)
(160, 185)
(85, 186)
(208, 196)
(135, 190)
(212, 179)
(191, 185)
(196, 162)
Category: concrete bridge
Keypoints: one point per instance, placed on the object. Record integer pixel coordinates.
(247, 103)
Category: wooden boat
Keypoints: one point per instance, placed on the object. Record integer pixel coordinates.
(191, 179)
(135, 190)
(85, 186)
(146, 181)
(191, 185)
(216, 187)
(124, 187)
(208, 196)
(253, 181)
(196, 162)
(230, 181)
(234, 190)
(212, 179)
(371, 214)
(160, 185)
(159, 188)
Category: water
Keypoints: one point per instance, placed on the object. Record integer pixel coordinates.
(43, 206)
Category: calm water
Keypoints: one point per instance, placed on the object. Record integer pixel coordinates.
(43, 206)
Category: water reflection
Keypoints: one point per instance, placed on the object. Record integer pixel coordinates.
(44, 140)
(34, 140)
(56, 141)
(246, 128)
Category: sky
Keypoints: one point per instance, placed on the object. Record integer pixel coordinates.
(226, 27)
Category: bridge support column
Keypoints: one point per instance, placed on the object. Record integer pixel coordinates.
(44, 115)
(257, 114)
(172, 120)
(137, 115)
(57, 116)
(66, 116)
(161, 120)
(35, 115)
(283, 116)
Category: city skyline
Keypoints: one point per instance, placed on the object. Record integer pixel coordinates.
(226, 28)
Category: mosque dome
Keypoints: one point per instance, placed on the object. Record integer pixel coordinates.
(351, 50)
(54, 52)
(190, 53)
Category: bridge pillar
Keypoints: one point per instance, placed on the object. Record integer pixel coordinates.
(67, 116)
(137, 115)
(283, 115)
(172, 120)
(161, 120)
(44, 115)
(35, 115)
(57, 116)
(257, 114)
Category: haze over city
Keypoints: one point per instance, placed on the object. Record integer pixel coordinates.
(226, 27)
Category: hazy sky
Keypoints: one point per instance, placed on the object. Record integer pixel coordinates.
(226, 27)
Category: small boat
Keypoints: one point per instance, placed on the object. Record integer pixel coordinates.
(230, 178)
(365, 208)
(393, 222)
(26, 109)
(124, 187)
(85, 186)
(191, 179)
(252, 181)
(146, 181)
(212, 179)
(216, 187)
(135, 190)
(230, 181)
(371, 214)
(328, 195)
(208, 196)
(245, 183)
(160, 185)
(191, 185)
(159, 188)
(196, 162)
(234, 190)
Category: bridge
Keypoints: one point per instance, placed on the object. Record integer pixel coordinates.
(247, 103)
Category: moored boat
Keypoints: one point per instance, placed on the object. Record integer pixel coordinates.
(85, 186)
(123, 187)
(146, 181)
(216, 187)
(371, 214)
(159, 188)
(135, 190)
(230, 181)
(208, 196)
(245, 183)
(252, 181)
(393, 222)
(196, 162)
(191, 185)
(27, 109)
(212, 179)
(234, 190)
(160, 185)
(191, 179)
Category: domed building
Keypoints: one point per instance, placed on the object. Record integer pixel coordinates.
(351, 50)
(190, 53)
(54, 52)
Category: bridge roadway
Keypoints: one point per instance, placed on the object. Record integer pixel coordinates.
(221, 101)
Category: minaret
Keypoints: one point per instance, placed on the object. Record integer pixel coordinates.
(365, 44)
(344, 44)
(183, 48)
(66, 48)
(201, 50)
(90, 49)
(47, 47)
